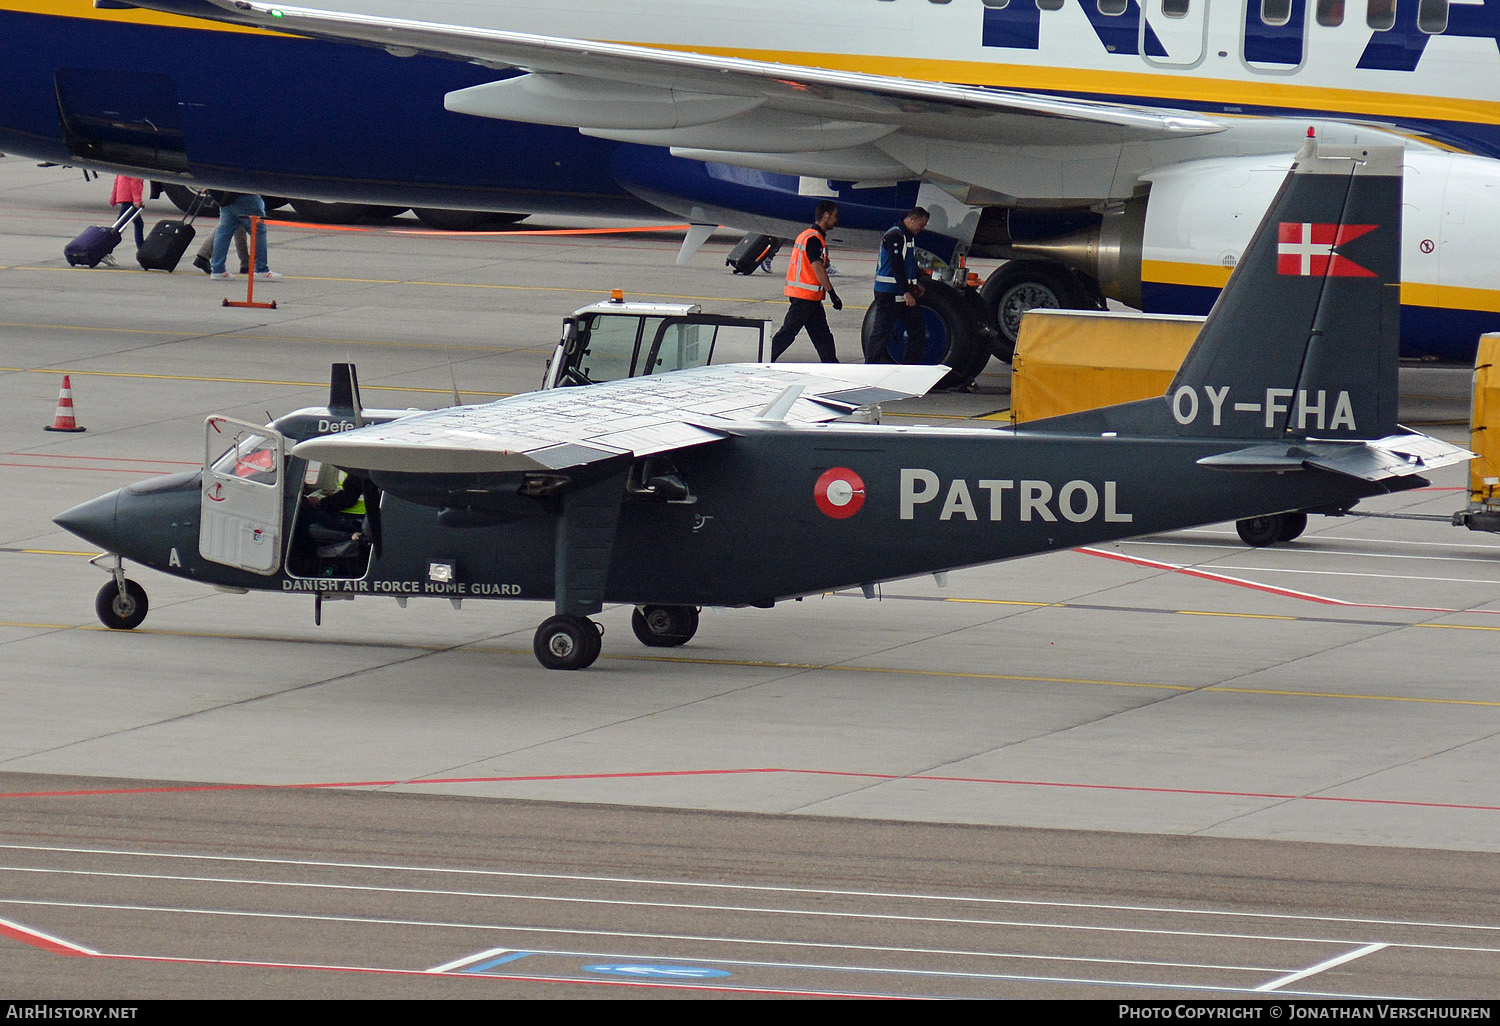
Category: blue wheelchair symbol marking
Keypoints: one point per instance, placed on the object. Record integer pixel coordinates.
(669, 972)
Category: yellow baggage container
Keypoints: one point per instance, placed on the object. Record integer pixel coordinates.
(1071, 360)
(1484, 424)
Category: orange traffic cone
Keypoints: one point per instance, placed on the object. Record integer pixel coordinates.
(64, 420)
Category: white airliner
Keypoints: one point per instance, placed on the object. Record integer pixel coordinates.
(1109, 147)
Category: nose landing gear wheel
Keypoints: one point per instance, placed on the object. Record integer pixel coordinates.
(121, 611)
(567, 642)
(664, 626)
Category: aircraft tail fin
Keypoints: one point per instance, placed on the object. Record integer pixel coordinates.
(1305, 338)
(343, 392)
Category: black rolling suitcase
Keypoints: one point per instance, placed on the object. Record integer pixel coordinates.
(752, 251)
(98, 242)
(167, 242)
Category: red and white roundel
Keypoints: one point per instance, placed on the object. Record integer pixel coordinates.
(839, 493)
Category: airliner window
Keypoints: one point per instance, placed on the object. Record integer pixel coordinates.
(1432, 16)
(997, 4)
(1113, 7)
(1275, 12)
(1330, 13)
(1175, 8)
(1049, 5)
(1381, 14)
(940, 1)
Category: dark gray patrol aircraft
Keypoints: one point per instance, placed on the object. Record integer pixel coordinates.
(738, 486)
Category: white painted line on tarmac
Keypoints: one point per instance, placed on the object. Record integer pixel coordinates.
(38, 939)
(1348, 956)
(448, 967)
(1091, 928)
(511, 874)
(1352, 573)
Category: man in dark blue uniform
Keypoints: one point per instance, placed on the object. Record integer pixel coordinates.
(897, 291)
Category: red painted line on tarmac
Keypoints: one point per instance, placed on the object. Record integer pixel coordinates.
(103, 459)
(392, 230)
(44, 941)
(137, 471)
(746, 771)
(1240, 582)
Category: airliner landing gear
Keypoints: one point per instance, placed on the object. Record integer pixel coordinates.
(1021, 285)
(958, 334)
(121, 609)
(664, 626)
(1278, 527)
(567, 642)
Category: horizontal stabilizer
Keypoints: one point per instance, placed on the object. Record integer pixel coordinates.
(1377, 460)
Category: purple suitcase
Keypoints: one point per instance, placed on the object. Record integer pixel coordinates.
(92, 246)
(98, 242)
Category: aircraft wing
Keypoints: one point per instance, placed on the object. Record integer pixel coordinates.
(735, 110)
(573, 427)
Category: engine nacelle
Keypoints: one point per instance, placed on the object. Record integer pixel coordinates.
(1172, 247)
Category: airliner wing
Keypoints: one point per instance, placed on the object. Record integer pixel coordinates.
(714, 107)
(566, 428)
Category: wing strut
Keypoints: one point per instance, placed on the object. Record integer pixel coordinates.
(585, 543)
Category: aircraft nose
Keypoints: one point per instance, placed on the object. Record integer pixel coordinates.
(93, 521)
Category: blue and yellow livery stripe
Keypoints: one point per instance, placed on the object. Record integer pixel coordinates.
(133, 16)
(1145, 86)
(1413, 293)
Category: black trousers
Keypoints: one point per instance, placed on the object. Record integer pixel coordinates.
(890, 308)
(809, 314)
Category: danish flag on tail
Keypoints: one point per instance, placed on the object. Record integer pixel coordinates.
(1304, 248)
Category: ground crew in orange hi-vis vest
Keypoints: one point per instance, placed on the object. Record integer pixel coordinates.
(806, 284)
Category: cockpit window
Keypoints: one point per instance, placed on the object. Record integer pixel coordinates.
(252, 457)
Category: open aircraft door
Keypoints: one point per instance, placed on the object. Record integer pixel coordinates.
(243, 466)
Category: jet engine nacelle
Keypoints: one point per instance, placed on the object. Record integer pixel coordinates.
(1172, 247)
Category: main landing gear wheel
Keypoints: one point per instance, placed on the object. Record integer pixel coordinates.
(121, 611)
(1267, 530)
(664, 626)
(954, 335)
(567, 642)
(1021, 285)
(1293, 524)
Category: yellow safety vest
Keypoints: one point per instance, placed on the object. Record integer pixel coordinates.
(355, 508)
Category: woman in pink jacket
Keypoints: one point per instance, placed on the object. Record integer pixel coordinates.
(127, 193)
